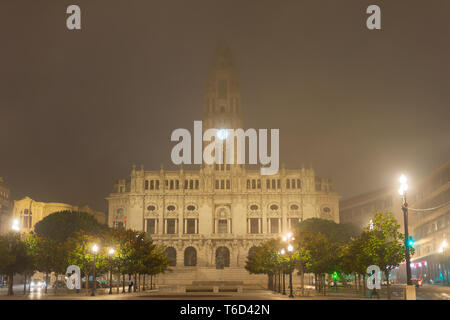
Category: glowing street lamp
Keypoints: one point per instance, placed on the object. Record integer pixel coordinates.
(94, 250)
(15, 225)
(402, 191)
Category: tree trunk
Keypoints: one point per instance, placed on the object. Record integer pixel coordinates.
(302, 283)
(25, 284)
(10, 284)
(143, 281)
(324, 284)
(388, 289)
(123, 283)
(364, 283)
(151, 282)
(46, 282)
(56, 283)
(87, 283)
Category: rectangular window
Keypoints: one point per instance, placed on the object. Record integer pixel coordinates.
(259, 183)
(196, 184)
(274, 225)
(222, 226)
(146, 184)
(279, 184)
(288, 184)
(254, 225)
(157, 184)
(253, 184)
(151, 226)
(294, 222)
(177, 184)
(171, 184)
(293, 183)
(152, 184)
(228, 184)
(190, 226)
(170, 224)
(186, 183)
(267, 184)
(191, 184)
(298, 184)
(273, 184)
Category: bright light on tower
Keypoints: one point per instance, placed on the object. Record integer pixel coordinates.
(403, 179)
(283, 251)
(290, 248)
(94, 248)
(222, 134)
(111, 251)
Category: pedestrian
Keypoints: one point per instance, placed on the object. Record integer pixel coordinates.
(130, 285)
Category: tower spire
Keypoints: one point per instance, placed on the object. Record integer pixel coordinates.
(222, 101)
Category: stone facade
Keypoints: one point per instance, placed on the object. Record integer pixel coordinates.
(5, 207)
(210, 217)
(29, 212)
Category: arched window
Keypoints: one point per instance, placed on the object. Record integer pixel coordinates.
(151, 208)
(294, 207)
(222, 257)
(171, 208)
(191, 208)
(253, 207)
(190, 257)
(171, 256)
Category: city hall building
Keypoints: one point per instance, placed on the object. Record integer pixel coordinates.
(211, 217)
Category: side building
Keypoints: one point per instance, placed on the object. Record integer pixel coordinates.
(5, 207)
(430, 226)
(29, 212)
(359, 209)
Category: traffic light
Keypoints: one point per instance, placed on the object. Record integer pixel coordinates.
(335, 275)
(410, 242)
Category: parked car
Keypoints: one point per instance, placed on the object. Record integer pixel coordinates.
(37, 284)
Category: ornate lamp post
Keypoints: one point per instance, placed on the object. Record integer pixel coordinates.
(111, 253)
(283, 252)
(290, 249)
(94, 250)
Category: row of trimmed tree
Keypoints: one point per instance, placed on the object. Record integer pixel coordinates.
(323, 247)
(66, 238)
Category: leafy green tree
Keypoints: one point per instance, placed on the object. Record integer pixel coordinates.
(80, 254)
(319, 243)
(264, 260)
(62, 225)
(49, 256)
(385, 245)
(15, 257)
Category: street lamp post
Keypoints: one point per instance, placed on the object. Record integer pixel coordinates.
(290, 249)
(288, 238)
(402, 192)
(111, 252)
(442, 250)
(94, 250)
(282, 252)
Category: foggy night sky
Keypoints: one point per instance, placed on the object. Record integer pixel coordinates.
(78, 108)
